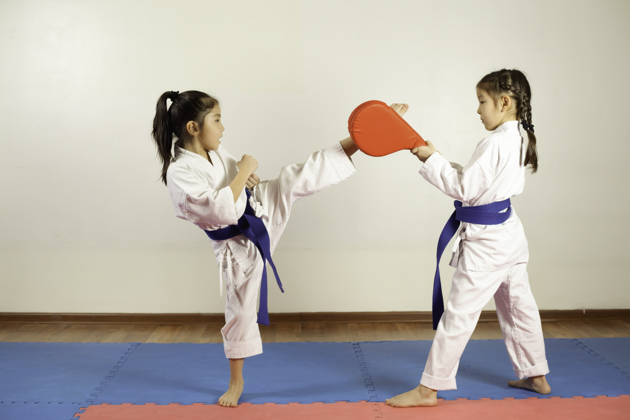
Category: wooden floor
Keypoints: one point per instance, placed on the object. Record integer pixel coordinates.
(284, 331)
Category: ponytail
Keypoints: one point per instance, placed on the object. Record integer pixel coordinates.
(170, 123)
(514, 84)
(162, 132)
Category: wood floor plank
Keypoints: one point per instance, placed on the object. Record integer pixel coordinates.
(621, 328)
(108, 333)
(363, 331)
(337, 332)
(24, 332)
(211, 334)
(51, 332)
(268, 334)
(555, 329)
(164, 333)
(624, 322)
(139, 333)
(487, 331)
(313, 331)
(562, 329)
(387, 331)
(580, 329)
(603, 328)
(5, 329)
(416, 330)
(77, 333)
(289, 332)
(189, 333)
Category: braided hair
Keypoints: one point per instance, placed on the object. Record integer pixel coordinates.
(514, 84)
(170, 123)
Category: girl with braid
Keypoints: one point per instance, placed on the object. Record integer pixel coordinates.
(491, 252)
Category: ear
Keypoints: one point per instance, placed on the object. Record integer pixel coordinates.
(505, 103)
(192, 128)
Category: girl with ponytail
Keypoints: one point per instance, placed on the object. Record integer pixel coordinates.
(243, 216)
(491, 252)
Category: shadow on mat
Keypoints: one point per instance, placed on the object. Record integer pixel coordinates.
(304, 392)
(477, 375)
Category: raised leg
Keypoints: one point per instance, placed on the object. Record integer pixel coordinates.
(321, 170)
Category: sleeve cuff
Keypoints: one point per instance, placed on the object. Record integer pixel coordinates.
(342, 164)
(428, 165)
(234, 209)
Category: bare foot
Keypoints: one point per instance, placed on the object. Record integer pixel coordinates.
(230, 398)
(417, 397)
(535, 383)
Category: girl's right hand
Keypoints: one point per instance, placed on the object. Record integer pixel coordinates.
(247, 164)
(424, 152)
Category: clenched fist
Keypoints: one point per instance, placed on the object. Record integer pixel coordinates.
(247, 164)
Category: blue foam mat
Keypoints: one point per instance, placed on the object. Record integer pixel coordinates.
(56, 372)
(288, 372)
(196, 373)
(485, 368)
(615, 351)
(39, 411)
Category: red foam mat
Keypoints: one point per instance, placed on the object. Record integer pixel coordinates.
(609, 408)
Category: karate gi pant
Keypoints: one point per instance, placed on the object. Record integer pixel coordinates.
(321, 170)
(518, 316)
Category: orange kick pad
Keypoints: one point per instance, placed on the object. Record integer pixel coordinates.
(609, 408)
(378, 130)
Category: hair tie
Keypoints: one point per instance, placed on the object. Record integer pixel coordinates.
(174, 94)
(527, 127)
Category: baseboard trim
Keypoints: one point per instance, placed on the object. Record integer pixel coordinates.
(305, 317)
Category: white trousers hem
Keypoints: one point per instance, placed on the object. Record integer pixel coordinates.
(439, 384)
(537, 370)
(242, 349)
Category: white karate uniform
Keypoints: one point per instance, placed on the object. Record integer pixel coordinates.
(200, 193)
(490, 260)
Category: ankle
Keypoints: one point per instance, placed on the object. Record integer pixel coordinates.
(427, 392)
(236, 382)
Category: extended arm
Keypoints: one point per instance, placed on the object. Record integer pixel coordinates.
(462, 184)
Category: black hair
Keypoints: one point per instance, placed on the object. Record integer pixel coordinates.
(170, 122)
(514, 84)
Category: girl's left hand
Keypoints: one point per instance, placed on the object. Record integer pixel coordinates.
(252, 181)
(424, 152)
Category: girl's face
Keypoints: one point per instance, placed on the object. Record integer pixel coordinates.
(489, 110)
(212, 129)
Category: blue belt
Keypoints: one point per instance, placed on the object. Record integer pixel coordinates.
(487, 214)
(254, 229)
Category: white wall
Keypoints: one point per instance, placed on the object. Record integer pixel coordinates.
(86, 226)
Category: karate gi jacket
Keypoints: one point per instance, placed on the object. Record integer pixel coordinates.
(495, 173)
